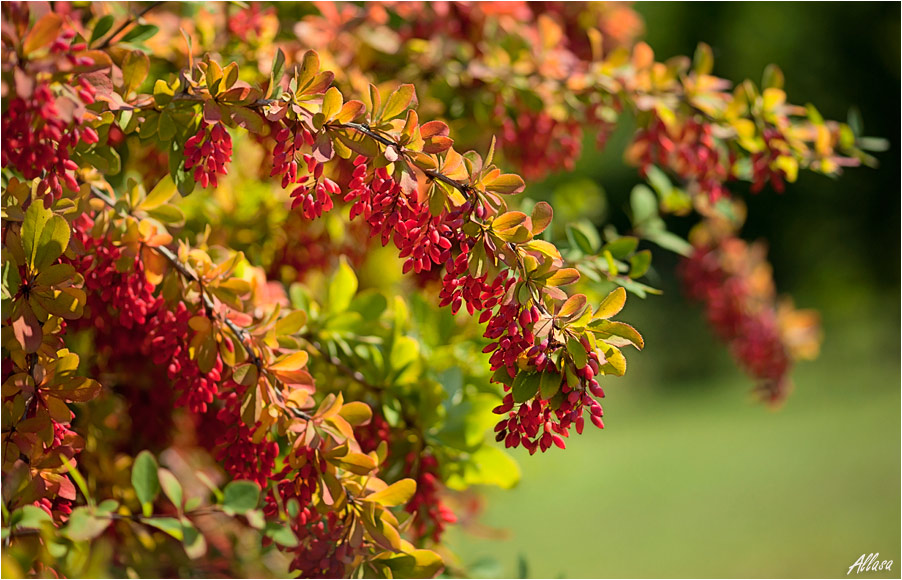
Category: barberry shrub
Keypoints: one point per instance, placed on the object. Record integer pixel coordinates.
(270, 276)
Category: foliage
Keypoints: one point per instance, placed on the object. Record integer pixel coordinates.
(188, 217)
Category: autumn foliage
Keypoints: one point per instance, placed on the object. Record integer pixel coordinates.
(193, 195)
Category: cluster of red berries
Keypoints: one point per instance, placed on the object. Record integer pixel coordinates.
(323, 551)
(431, 515)
(234, 446)
(425, 240)
(314, 192)
(166, 345)
(460, 20)
(459, 287)
(392, 215)
(545, 422)
(57, 507)
(208, 152)
(129, 297)
(289, 140)
(376, 431)
(745, 321)
(537, 143)
(688, 150)
(42, 124)
(40, 129)
(511, 329)
(126, 294)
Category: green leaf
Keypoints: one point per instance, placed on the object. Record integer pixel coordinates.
(246, 118)
(171, 487)
(526, 385)
(644, 204)
(171, 526)
(45, 236)
(240, 496)
(342, 287)
(84, 525)
(670, 241)
(145, 480)
(277, 66)
(404, 353)
(29, 516)
(606, 329)
(168, 214)
(396, 494)
(622, 247)
(140, 32)
(256, 519)
(856, 123)
(703, 62)
(549, 385)
(639, 263)
(281, 534)
(55, 275)
(506, 184)
(659, 181)
(577, 352)
(102, 27)
(107, 506)
(356, 413)
(772, 78)
(584, 236)
(194, 542)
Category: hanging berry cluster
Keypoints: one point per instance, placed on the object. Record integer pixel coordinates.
(733, 281)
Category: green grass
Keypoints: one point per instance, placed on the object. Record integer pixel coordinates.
(697, 480)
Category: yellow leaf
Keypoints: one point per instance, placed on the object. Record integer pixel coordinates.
(290, 362)
(397, 493)
(612, 304)
(332, 103)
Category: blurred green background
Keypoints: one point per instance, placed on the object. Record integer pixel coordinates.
(691, 477)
